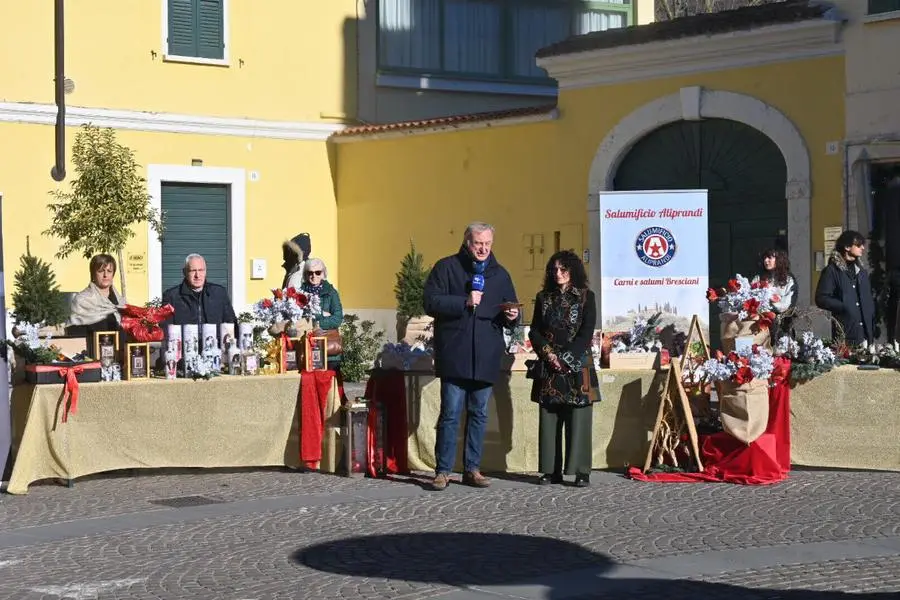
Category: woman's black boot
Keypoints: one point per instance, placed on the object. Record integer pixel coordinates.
(582, 481)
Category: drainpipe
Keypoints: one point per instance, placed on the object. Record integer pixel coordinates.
(58, 172)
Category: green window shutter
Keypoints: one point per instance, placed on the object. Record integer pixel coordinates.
(211, 29)
(883, 6)
(197, 221)
(181, 35)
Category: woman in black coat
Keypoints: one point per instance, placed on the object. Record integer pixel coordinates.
(561, 334)
(845, 291)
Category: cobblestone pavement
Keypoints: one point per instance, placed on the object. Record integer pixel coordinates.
(286, 534)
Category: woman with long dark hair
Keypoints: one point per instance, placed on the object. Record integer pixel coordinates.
(565, 382)
(775, 268)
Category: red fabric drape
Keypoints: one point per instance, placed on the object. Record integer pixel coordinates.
(389, 389)
(726, 459)
(314, 389)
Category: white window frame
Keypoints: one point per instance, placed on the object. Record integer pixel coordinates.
(235, 178)
(225, 61)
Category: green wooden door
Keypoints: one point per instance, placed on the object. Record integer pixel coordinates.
(197, 221)
(745, 174)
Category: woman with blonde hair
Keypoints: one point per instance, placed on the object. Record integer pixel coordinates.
(315, 282)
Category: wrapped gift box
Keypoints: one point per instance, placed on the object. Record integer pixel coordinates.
(86, 372)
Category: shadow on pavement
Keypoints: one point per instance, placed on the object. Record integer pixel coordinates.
(557, 568)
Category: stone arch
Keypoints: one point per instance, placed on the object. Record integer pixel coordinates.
(693, 104)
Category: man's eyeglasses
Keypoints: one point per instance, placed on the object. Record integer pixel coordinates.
(316, 273)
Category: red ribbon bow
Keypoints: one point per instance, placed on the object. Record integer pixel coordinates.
(71, 389)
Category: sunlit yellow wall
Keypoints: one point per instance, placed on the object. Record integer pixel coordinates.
(533, 178)
(294, 194)
(288, 59)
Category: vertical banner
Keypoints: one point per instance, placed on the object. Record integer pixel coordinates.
(654, 257)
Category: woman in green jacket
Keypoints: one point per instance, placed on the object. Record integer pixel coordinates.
(315, 282)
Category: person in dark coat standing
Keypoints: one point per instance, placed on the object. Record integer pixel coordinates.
(468, 345)
(845, 291)
(196, 300)
(562, 331)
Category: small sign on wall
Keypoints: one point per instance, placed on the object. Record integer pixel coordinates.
(831, 236)
(137, 262)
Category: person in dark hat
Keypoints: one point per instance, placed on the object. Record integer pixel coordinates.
(295, 252)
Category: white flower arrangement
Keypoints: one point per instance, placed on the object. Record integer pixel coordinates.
(29, 344)
(809, 349)
(643, 337)
(744, 299)
(740, 367)
(287, 305)
(809, 356)
(199, 366)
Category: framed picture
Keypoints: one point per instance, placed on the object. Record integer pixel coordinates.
(137, 365)
(249, 364)
(291, 354)
(316, 353)
(106, 347)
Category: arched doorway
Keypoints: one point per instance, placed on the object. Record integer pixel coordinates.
(699, 104)
(744, 172)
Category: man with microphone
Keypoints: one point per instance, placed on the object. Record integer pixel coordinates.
(472, 299)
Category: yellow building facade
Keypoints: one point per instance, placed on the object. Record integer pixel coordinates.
(253, 108)
(536, 176)
(211, 96)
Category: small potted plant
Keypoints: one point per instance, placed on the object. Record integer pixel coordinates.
(412, 323)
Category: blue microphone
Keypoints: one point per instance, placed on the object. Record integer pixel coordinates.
(477, 286)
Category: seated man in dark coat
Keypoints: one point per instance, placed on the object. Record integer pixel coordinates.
(197, 300)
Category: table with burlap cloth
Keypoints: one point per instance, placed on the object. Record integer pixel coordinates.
(224, 422)
(846, 418)
(623, 421)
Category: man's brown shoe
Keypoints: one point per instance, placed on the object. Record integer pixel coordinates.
(476, 479)
(440, 482)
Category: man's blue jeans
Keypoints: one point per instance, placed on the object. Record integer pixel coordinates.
(455, 393)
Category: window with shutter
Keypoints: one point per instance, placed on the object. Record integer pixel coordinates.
(197, 220)
(196, 29)
(883, 6)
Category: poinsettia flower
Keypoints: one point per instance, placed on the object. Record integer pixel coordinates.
(743, 375)
(751, 305)
(302, 299)
(733, 285)
(776, 298)
(711, 295)
(277, 294)
(267, 303)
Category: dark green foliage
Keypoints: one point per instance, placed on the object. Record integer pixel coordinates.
(361, 344)
(37, 298)
(410, 287)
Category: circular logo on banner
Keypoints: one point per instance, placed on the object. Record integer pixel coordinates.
(655, 246)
